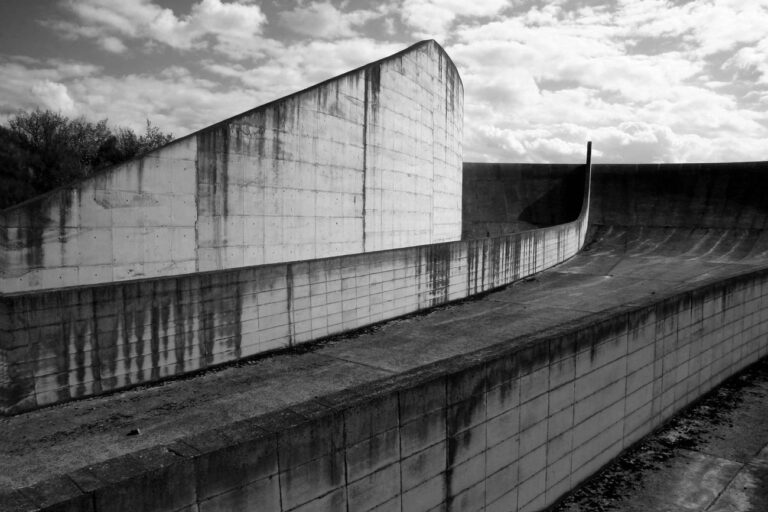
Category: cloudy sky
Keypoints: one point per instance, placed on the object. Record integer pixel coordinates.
(646, 80)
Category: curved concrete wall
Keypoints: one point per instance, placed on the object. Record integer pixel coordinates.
(366, 161)
(699, 195)
(500, 198)
(66, 344)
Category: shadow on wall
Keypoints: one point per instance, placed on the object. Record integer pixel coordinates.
(499, 199)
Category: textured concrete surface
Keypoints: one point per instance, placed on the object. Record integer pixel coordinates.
(713, 457)
(366, 161)
(498, 199)
(502, 403)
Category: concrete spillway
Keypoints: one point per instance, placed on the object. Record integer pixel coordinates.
(501, 403)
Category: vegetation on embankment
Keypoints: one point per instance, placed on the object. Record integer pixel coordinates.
(41, 150)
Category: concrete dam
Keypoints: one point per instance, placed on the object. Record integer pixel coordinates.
(317, 305)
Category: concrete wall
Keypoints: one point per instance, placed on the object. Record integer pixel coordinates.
(700, 195)
(509, 428)
(65, 344)
(499, 199)
(367, 161)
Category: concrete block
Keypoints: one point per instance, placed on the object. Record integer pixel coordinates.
(561, 397)
(531, 492)
(392, 505)
(501, 483)
(533, 384)
(465, 385)
(503, 426)
(426, 496)
(533, 411)
(466, 414)
(262, 494)
(598, 401)
(372, 454)
(533, 437)
(560, 422)
(557, 490)
(502, 454)
(562, 370)
(374, 489)
(225, 465)
(599, 423)
(422, 466)
(639, 378)
(466, 474)
(590, 455)
(149, 481)
(532, 463)
(331, 502)
(505, 503)
(598, 379)
(423, 431)
(470, 500)
(303, 483)
(466, 444)
(58, 494)
(310, 440)
(14, 501)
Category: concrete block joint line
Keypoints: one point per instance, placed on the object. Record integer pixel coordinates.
(611, 297)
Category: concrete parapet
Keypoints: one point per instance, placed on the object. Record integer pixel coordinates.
(367, 161)
(510, 427)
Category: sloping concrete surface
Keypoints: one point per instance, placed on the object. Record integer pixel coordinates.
(42, 444)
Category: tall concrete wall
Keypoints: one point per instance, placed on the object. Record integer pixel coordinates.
(65, 344)
(367, 161)
(500, 198)
(699, 195)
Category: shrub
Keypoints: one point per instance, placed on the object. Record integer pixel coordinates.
(41, 150)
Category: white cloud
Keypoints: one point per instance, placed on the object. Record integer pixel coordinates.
(752, 58)
(112, 44)
(28, 83)
(298, 66)
(433, 18)
(709, 27)
(323, 20)
(655, 80)
(227, 27)
(53, 96)
(174, 100)
(592, 73)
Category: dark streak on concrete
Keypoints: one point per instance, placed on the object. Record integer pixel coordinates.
(289, 303)
(35, 224)
(366, 88)
(180, 328)
(207, 312)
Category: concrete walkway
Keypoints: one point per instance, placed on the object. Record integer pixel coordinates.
(713, 458)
